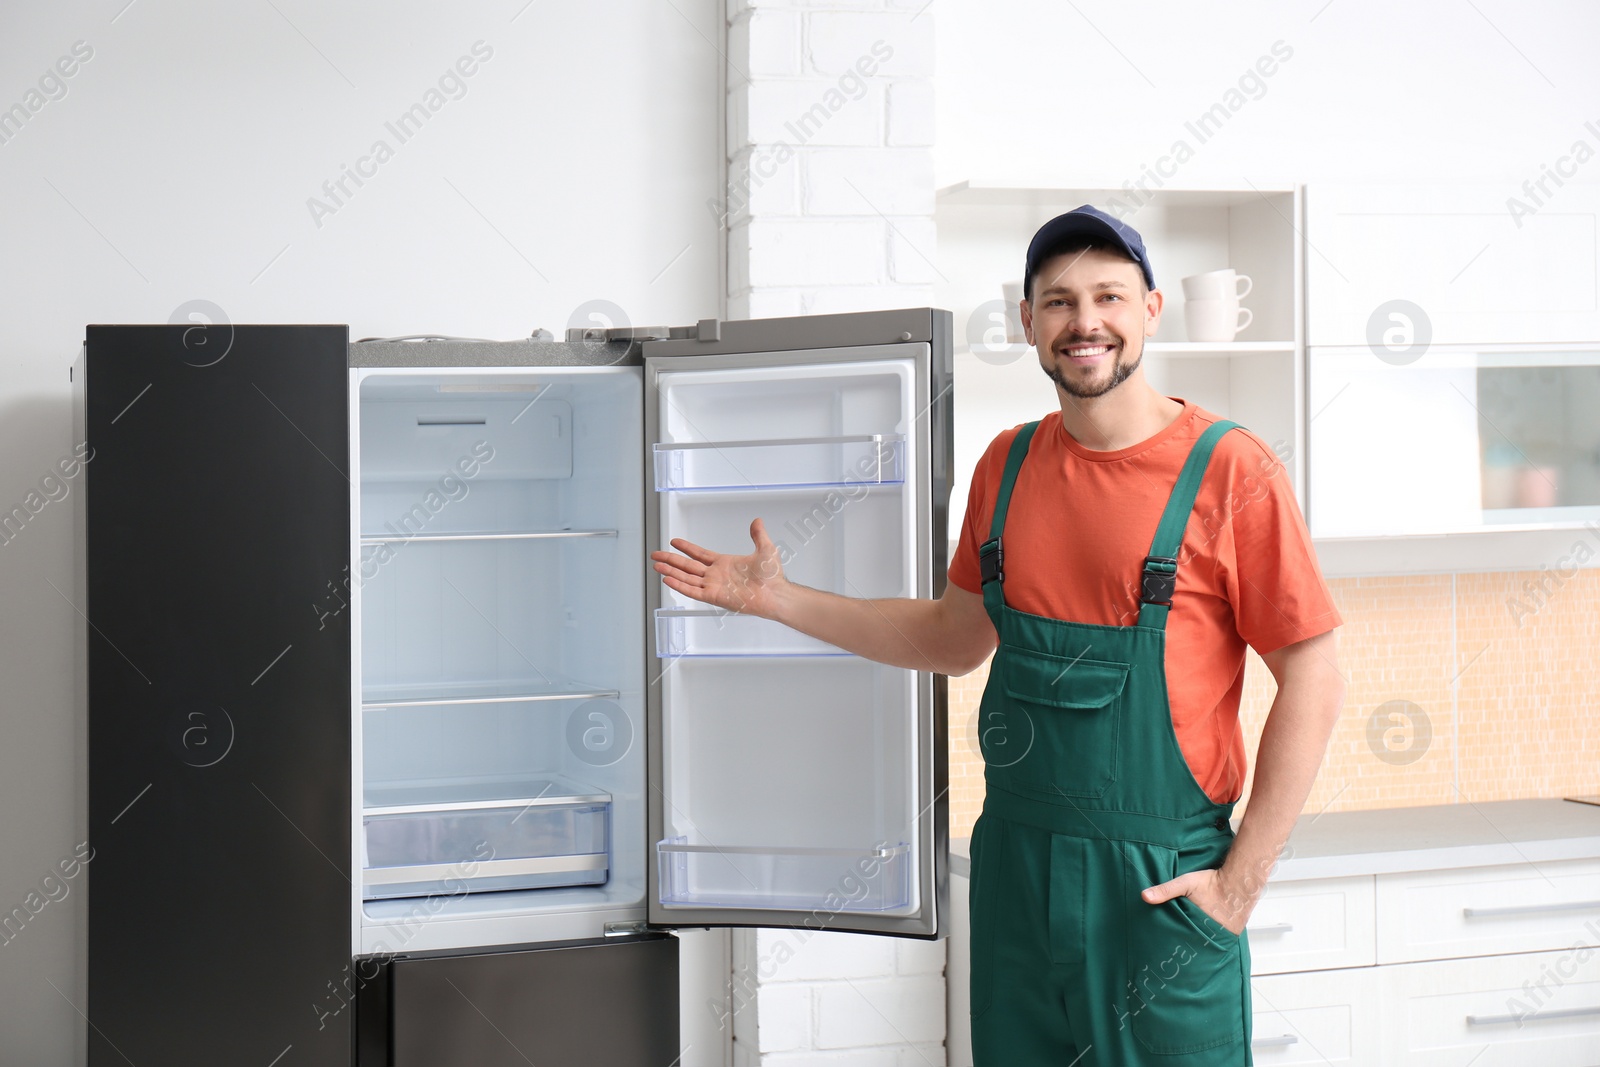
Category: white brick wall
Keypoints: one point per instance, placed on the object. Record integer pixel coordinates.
(829, 203)
(830, 208)
(837, 998)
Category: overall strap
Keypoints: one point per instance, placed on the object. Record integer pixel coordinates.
(990, 555)
(1160, 575)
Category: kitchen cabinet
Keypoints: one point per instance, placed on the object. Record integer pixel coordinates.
(1431, 915)
(1314, 1017)
(1453, 365)
(1462, 439)
(1403, 265)
(1458, 907)
(1429, 935)
(1314, 924)
(1507, 1011)
(399, 750)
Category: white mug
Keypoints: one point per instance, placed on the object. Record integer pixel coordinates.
(1215, 320)
(1013, 295)
(1217, 285)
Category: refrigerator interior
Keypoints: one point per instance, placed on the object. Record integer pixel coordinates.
(497, 583)
(790, 768)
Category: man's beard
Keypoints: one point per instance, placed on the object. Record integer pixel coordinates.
(1120, 372)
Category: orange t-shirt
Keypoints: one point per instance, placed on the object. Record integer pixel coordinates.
(1247, 573)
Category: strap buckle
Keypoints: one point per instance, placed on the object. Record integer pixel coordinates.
(1159, 580)
(991, 558)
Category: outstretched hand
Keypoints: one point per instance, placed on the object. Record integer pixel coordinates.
(748, 584)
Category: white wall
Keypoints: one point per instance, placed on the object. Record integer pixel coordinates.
(177, 167)
(1432, 89)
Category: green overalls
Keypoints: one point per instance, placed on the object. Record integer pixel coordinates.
(1089, 801)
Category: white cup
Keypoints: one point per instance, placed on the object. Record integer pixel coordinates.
(1215, 320)
(1216, 285)
(1013, 296)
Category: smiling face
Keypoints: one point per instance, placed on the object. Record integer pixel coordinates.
(1088, 318)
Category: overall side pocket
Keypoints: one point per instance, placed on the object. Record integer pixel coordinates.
(1184, 967)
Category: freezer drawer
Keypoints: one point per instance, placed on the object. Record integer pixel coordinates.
(448, 838)
(608, 1001)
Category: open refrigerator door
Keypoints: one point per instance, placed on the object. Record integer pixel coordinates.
(794, 783)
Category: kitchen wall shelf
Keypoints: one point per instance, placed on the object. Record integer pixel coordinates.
(766, 877)
(1220, 348)
(860, 459)
(1168, 349)
(1257, 379)
(710, 632)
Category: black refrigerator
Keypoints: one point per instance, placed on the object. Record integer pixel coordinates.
(400, 754)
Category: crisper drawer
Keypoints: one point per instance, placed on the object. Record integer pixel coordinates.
(429, 838)
(1323, 1017)
(1302, 926)
(1540, 1008)
(1527, 907)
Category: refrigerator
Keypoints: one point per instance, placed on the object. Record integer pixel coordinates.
(399, 752)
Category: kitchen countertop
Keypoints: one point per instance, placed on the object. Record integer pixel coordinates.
(1339, 844)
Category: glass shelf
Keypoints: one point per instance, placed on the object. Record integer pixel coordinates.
(528, 535)
(426, 838)
(449, 794)
(865, 879)
(865, 459)
(711, 632)
(500, 691)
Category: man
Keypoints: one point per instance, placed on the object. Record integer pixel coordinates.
(1121, 555)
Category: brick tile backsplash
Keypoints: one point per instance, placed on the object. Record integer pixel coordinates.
(1509, 690)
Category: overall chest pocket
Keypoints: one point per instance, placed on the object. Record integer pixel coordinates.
(1050, 724)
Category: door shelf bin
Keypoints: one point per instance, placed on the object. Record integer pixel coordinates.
(866, 459)
(710, 632)
(448, 838)
(835, 879)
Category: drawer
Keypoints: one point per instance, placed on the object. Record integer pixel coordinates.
(1539, 1008)
(422, 839)
(604, 1001)
(1323, 1018)
(1303, 926)
(1438, 915)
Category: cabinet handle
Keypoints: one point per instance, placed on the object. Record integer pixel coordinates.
(1530, 909)
(1271, 928)
(1281, 1041)
(1532, 1016)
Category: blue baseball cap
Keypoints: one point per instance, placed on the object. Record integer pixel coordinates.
(1085, 221)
